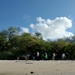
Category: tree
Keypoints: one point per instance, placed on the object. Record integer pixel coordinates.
(38, 35)
(12, 32)
(3, 40)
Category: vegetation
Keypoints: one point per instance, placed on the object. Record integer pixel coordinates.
(13, 45)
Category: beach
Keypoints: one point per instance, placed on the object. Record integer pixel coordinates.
(49, 67)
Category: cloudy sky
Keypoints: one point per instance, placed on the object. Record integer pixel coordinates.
(52, 18)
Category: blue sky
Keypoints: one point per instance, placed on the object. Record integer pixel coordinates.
(23, 13)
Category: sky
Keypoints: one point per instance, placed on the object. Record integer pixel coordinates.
(54, 19)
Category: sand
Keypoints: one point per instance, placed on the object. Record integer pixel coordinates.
(23, 67)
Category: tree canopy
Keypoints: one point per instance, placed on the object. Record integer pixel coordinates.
(13, 45)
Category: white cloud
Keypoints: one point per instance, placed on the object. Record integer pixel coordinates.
(24, 30)
(53, 29)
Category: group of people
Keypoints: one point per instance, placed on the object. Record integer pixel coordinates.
(43, 56)
(63, 56)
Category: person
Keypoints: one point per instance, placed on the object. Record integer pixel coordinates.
(33, 56)
(38, 55)
(26, 56)
(67, 56)
(46, 56)
(18, 58)
(42, 57)
(54, 55)
(63, 56)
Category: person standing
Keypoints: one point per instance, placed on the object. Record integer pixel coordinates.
(42, 57)
(54, 55)
(46, 56)
(63, 56)
(38, 55)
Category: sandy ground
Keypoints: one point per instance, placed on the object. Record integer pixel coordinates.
(19, 67)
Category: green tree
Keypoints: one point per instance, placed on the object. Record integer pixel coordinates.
(38, 35)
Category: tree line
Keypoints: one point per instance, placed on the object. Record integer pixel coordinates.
(14, 44)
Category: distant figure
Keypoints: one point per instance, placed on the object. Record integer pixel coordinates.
(63, 56)
(38, 55)
(26, 56)
(54, 55)
(33, 56)
(42, 57)
(67, 56)
(46, 56)
(18, 58)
